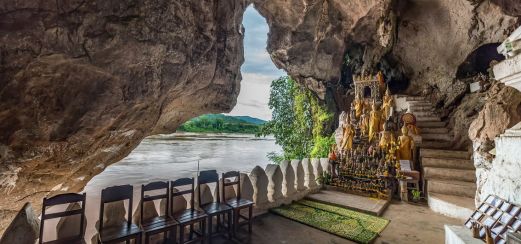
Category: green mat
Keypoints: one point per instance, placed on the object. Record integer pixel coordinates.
(352, 225)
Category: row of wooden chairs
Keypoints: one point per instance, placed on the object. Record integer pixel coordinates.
(167, 222)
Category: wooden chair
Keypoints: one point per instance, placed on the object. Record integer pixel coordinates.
(188, 216)
(162, 223)
(215, 208)
(59, 200)
(237, 204)
(116, 234)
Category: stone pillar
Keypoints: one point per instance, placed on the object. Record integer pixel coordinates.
(260, 181)
(299, 175)
(246, 187)
(289, 183)
(317, 170)
(275, 178)
(326, 166)
(309, 179)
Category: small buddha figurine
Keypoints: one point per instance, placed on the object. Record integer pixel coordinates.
(406, 144)
(364, 122)
(348, 134)
(387, 104)
(359, 105)
(374, 121)
(413, 129)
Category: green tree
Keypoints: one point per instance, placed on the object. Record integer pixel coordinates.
(298, 121)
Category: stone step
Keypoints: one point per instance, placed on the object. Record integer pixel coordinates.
(436, 144)
(452, 206)
(428, 118)
(441, 130)
(436, 136)
(424, 114)
(424, 152)
(420, 103)
(430, 124)
(409, 98)
(454, 163)
(455, 188)
(431, 173)
(415, 110)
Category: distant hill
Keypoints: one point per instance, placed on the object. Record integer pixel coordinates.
(220, 123)
(252, 120)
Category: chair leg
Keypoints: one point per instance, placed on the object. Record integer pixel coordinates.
(230, 225)
(250, 213)
(146, 238)
(182, 234)
(191, 231)
(202, 226)
(210, 218)
(236, 216)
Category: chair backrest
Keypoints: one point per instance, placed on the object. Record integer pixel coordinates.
(179, 183)
(67, 198)
(237, 181)
(115, 194)
(206, 177)
(154, 186)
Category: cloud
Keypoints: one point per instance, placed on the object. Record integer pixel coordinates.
(257, 71)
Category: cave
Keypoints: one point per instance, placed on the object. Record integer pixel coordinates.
(479, 61)
(82, 84)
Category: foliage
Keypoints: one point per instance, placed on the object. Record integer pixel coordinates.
(221, 123)
(325, 178)
(300, 122)
(415, 194)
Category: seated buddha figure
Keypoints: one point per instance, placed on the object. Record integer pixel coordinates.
(406, 145)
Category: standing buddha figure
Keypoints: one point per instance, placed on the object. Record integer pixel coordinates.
(347, 137)
(386, 139)
(406, 144)
(364, 122)
(374, 121)
(359, 106)
(387, 104)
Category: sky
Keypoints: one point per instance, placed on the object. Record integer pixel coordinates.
(257, 71)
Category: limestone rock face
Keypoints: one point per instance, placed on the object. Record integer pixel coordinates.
(83, 82)
(502, 110)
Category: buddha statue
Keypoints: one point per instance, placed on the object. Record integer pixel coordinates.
(358, 105)
(386, 139)
(406, 145)
(347, 137)
(387, 104)
(375, 118)
(364, 123)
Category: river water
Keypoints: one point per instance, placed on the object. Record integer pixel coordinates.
(174, 156)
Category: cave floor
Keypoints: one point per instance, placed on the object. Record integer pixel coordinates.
(409, 224)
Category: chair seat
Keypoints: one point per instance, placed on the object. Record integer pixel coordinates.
(239, 203)
(119, 233)
(188, 215)
(215, 207)
(74, 240)
(158, 223)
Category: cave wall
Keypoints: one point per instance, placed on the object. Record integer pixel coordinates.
(83, 82)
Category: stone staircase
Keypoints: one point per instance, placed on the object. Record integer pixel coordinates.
(449, 175)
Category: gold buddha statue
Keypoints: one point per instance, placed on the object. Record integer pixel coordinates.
(347, 135)
(375, 118)
(387, 104)
(358, 105)
(386, 139)
(364, 122)
(406, 144)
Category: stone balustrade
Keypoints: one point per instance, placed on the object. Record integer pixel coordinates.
(267, 188)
